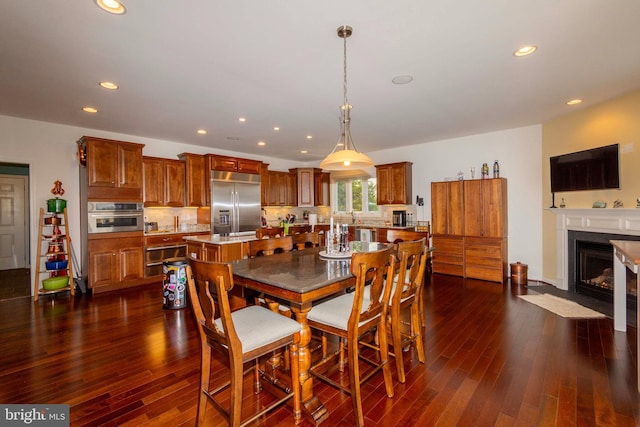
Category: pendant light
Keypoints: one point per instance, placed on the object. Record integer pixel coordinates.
(345, 156)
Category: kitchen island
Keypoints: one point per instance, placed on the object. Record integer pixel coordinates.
(213, 247)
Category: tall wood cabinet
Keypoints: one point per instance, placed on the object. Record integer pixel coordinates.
(195, 176)
(393, 183)
(113, 169)
(115, 261)
(469, 223)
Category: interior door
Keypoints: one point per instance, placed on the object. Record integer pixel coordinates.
(13, 229)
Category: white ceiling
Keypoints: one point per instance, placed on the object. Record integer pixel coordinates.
(185, 65)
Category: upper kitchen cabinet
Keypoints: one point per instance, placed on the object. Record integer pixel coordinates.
(163, 182)
(196, 174)
(394, 183)
(485, 206)
(321, 185)
(113, 169)
(233, 164)
(264, 184)
(282, 189)
(312, 187)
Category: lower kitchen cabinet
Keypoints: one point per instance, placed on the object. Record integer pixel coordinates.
(115, 262)
(217, 253)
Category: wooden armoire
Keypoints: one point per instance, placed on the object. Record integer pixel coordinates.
(469, 225)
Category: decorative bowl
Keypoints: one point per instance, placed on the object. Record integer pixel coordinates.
(53, 283)
(56, 265)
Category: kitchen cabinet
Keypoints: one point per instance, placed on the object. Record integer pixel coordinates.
(264, 184)
(447, 225)
(116, 261)
(113, 169)
(217, 253)
(393, 183)
(321, 188)
(282, 189)
(164, 182)
(196, 178)
(233, 164)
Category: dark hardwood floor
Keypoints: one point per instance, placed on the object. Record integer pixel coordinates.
(492, 360)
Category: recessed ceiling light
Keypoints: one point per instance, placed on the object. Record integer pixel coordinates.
(201, 131)
(109, 85)
(525, 50)
(276, 128)
(574, 101)
(309, 137)
(262, 143)
(112, 6)
(303, 151)
(242, 119)
(89, 110)
(402, 80)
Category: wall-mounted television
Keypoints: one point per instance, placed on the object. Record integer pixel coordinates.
(594, 169)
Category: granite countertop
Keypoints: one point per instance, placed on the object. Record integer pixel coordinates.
(167, 232)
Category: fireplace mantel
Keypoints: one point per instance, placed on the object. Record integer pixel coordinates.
(596, 220)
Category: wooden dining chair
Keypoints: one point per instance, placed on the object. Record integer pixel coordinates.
(351, 315)
(267, 247)
(306, 240)
(270, 246)
(269, 232)
(244, 335)
(407, 294)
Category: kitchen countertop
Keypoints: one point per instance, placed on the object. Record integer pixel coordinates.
(221, 240)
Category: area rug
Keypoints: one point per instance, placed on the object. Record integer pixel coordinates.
(562, 307)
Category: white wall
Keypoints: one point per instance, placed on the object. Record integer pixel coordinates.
(50, 151)
(519, 153)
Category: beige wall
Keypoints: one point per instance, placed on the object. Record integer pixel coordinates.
(611, 122)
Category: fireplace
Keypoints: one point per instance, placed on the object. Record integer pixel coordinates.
(591, 265)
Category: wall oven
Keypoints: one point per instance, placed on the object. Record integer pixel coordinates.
(114, 217)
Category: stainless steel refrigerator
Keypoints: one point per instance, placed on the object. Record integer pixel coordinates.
(235, 202)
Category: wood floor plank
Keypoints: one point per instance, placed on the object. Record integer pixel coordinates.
(492, 359)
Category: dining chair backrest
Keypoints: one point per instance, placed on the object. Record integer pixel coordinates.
(395, 236)
(412, 256)
(270, 246)
(374, 269)
(201, 278)
(306, 240)
(262, 233)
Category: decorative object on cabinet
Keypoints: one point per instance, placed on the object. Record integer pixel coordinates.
(54, 270)
(345, 156)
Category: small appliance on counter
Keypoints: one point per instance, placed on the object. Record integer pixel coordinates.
(399, 218)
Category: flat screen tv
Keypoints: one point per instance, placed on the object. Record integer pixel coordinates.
(594, 169)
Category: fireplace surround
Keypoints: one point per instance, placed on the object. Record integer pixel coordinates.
(611, 223)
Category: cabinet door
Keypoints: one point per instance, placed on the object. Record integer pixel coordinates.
(275, 186)
(473, 221)
(194, 249)
(447, 208)
(174, 171)
(131, 263)
(398, 184)
(103, 267)
(291, 188)
(130, 166)
(321, 185)
(383, 185)
(211, 253)
(153, 189)
(248, 166)
(194, 179)
(305, 187)
(102, 163)
(264, 184)
(494, 199)
(220, 163)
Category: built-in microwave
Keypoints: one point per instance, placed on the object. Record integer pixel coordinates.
(114, 217)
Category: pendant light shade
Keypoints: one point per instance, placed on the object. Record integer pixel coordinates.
(345, 156)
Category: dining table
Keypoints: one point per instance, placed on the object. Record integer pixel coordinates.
(299, 279)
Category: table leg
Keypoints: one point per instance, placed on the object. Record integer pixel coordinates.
(619, 293)
(312, 409)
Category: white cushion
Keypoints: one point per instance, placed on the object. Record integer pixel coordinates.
(257, 326)
(335, 312)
